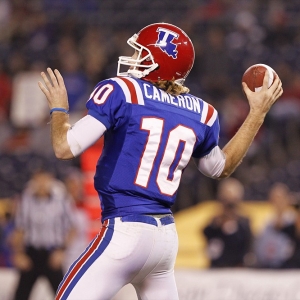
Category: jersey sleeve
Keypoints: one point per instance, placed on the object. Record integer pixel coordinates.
(211, 140)
(107, 104)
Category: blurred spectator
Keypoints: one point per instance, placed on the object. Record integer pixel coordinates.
(216, 65)
(6, 229)
(4, 13)
(74, 185)
(18, 142)
(293, 232)
(75, 79)
(228, 235)
(234, 109)
(44, 229)
(28, 108)
(17, 61)
(94, 54)
(274, 247)
(5, 94)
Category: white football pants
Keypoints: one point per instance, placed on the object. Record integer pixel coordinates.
(125, 252)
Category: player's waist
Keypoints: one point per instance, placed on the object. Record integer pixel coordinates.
(156, 220)
(123, 205)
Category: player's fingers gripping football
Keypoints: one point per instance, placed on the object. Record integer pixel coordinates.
(274, 91)
(268, 95)
(279, 90)
(264, 88)
(262, 100)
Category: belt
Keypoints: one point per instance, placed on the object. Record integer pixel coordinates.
(169, 219)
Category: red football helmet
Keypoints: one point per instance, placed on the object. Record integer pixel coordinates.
(162, 52)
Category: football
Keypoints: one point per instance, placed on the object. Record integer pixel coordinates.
(254, 76)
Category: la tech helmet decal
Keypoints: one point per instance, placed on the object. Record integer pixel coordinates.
(165, 41)
(162, 52)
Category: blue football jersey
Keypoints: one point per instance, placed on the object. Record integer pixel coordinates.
(150, 138)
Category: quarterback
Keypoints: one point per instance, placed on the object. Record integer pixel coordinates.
(152, 127)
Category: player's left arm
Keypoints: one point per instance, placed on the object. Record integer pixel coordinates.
(208, 157)
(212, 164)
(67, 141)
(56, 94)
(221, 163)
(260, 103)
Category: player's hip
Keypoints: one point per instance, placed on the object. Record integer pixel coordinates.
(142, 236)
(127, 249)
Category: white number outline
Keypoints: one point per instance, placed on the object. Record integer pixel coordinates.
(99, 90)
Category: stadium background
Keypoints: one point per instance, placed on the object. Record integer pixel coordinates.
(83, 39)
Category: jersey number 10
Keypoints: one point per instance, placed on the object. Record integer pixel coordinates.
(180, 133)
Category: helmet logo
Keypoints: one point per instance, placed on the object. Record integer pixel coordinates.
(165, 41)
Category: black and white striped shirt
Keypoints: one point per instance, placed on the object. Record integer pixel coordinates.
(45, 221)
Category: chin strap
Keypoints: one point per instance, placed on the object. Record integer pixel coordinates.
(147, 71)
(141, 74)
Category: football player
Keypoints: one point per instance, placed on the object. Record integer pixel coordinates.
(152, 126)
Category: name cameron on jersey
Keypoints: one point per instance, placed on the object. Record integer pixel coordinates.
(188, 102)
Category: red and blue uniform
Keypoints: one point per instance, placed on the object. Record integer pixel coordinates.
(144, 121)
(150, 137)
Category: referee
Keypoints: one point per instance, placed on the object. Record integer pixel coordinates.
(44, 228)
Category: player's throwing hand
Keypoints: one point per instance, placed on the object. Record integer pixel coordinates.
(261, 102)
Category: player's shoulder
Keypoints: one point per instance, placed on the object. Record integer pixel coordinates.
(127, 87)
(204, 111)
(120, 82)
(208, 113)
